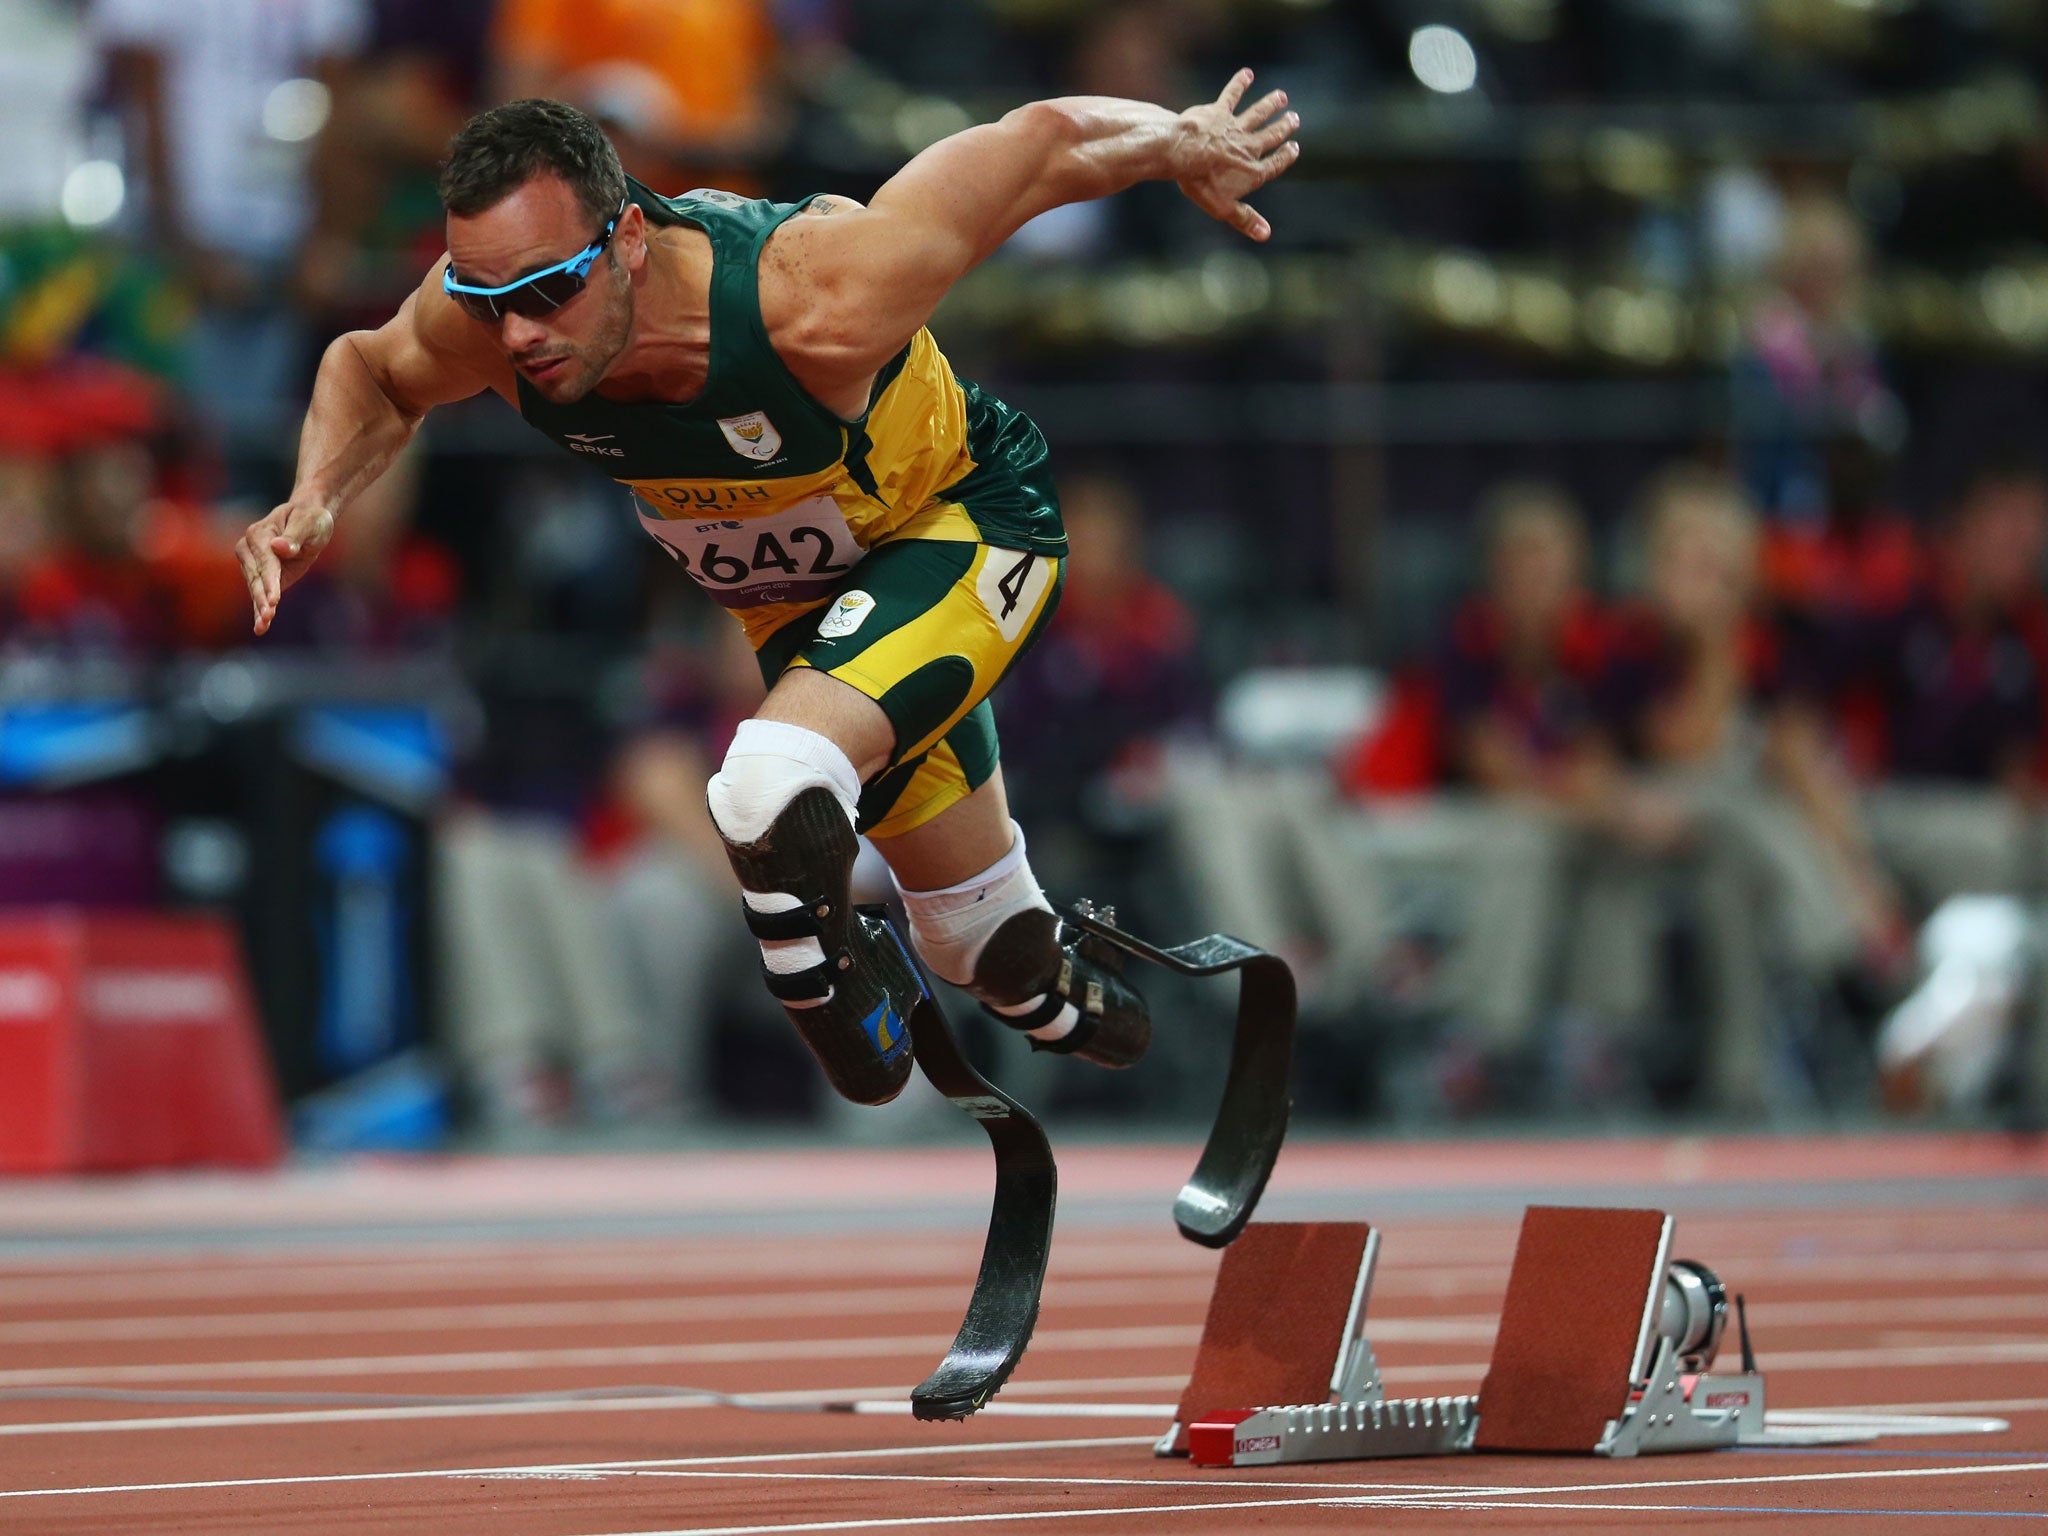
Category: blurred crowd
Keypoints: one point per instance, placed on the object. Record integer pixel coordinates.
(1685, 731)
(1794, 746)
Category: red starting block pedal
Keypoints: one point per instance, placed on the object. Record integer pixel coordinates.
(1286, 1305)
(1603, 1349)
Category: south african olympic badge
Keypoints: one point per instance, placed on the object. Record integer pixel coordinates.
(752, 436)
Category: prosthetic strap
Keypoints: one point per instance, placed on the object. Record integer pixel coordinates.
(852, 1009)
(1034, 955)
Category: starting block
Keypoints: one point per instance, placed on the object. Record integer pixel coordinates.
(1605, 1348)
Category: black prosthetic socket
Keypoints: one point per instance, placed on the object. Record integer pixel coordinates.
(860, 1032)
(1033, 954)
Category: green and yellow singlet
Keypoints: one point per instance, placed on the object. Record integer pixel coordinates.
(769, 500)
(914, 553)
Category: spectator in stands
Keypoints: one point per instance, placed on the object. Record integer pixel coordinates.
(1863, 557)
(108, 565)
(592, 957)
(1518, 667)
(686, 88)
(670, 885)
(1517, 682)
(91, 592)
(377, 221)
(1956, 682)
(1510, 698)
(1807, 373)
(25, 494)
(1118, 669)
(1754, 823)
(222, 103)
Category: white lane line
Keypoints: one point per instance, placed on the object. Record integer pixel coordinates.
(803, 1397)
(1148, 1337)
(1740, 1480)
(1460, 1506)
(755, 1463)
(485, 1317)
(353, 1415)
(1093, 1442)
(1913, 1309)
(514, 1272)
(1433, 1501)
(1382, 1493)
(733, 1306)
(1883, 1424)
(1155, 1337)
(1967, 1405)
(1960, 1353)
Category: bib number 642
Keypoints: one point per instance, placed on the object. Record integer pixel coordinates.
(725, 568)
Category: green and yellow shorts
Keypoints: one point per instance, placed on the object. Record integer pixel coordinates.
(926, 628)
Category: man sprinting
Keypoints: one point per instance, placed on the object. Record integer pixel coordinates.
(887, 535)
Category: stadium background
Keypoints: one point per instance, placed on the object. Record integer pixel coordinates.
(1784, 258)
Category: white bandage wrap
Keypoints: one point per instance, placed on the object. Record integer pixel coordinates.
(768, 765)
(950, 927)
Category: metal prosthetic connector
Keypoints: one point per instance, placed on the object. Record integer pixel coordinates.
(852, 1010)
(1034, 954)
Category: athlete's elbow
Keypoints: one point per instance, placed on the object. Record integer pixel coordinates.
(1051, 124)
(355, 367)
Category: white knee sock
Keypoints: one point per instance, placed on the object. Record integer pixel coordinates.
(768, 765)
(950, 927)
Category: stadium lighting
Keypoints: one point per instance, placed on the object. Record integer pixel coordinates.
(93, 193)
(295, 110)
(1443, 59)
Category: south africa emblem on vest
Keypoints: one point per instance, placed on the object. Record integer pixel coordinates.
(752, 436)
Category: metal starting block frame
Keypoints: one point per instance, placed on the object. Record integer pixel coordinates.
(1671, 1401)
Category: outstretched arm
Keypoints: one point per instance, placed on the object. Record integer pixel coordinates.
(372, 391)
(842, 295)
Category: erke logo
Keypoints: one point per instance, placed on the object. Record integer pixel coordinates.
(585, 442)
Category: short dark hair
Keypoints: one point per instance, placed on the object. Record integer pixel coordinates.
(499, 151)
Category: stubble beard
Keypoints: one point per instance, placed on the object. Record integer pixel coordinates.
(594, 359)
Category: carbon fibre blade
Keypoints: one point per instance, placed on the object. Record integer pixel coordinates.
(1251, 1121)
(1004, 1307)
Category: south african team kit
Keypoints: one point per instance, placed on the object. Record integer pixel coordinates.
(913, 553)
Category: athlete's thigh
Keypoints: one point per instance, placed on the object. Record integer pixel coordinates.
(926, 628)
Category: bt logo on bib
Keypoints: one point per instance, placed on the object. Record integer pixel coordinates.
(846, 615)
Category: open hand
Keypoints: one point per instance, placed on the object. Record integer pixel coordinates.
(280, 548)
(1222, 155)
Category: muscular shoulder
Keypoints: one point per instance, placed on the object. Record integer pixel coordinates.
(801, 256)
(434, 352)
(808, 297)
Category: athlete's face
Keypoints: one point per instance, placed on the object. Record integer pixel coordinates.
(565, 353)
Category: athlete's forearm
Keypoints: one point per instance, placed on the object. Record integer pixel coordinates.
(353, 430)
(1096, 146)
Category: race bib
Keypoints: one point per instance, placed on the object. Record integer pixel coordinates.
(793, 556)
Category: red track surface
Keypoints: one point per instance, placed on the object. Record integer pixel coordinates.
(379, 1279)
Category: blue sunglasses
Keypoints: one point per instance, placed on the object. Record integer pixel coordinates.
(535, 294)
